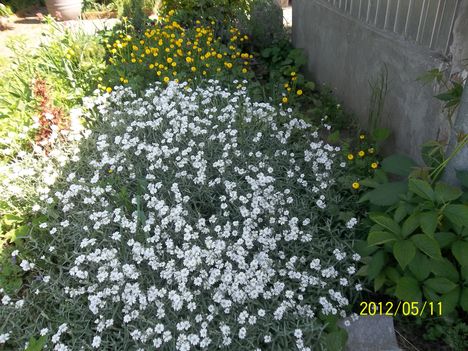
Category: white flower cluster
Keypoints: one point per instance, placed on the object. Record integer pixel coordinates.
(202, 225)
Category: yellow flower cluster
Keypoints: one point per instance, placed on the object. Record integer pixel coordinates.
(167, 51)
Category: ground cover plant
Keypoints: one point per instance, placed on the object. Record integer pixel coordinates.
(198, 224)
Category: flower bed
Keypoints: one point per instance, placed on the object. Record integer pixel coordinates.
(196, 220)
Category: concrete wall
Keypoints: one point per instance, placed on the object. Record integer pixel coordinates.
(346, 54)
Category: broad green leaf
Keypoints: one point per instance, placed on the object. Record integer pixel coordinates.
(404, 252)
(421, 188)
(462, 177)
(10, 219)
(460, 251)
(457, 214)
(380, 237)
(464, 273)
(379, 281)
(400, 213)
(398, 164)
(440, 285)
(464, 299)
(445, 193)
(381, 134)
(427, 245)
(428, 221)
(392, 274)
(386, 222)
(387, 194)
(407, 289)
(450, 301)
(420, 266)
(410, 224)
(36, 345)
(445, 239)
(444, 268)
(376, 264)
(363, 249)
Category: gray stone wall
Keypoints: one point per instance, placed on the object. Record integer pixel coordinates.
(347, 55)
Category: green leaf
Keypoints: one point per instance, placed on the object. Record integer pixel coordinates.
(17, 233)
(464, 273)
(407, 289)
(392, 274)
(379, 281)
(421, 188)
(445, 239)
(380, 237)
(450, 301)
(36, 345)
(428, 221)
(433, 153)
(398, 164)
(457, 214)
(445, 193)
(404, 251)
(440, 285)
(363, 249)
(386, 222)
(462, 177)
(460, 251)
(410, 224)
(420, 267)
(444, 268)
(387, 194)
(464, 299)
(400, 213)
(10, 219)
(427, 245)
(376, 264)
(381, 134)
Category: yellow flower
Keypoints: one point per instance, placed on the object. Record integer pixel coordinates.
(284, 100)
(188, 59)
(166, 79)
(286, 85)
(362, 136)
(361, 153)
(371, 150)
(293, 74)
(125, 81)
(108, 89)
(193, 69)
(356, 185)
(244, 70)
(374, 165)
(299, 92)
(350, 157)
(169, 60)
(110, 171)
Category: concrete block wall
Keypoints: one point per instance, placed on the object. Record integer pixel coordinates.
(346, 54)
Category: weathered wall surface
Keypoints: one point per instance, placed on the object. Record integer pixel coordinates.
(347, 54)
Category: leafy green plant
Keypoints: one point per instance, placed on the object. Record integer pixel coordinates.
(417, 244)
(452, 89)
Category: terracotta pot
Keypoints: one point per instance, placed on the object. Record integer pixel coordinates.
(64, 9)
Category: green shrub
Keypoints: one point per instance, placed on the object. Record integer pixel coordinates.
(417, 245)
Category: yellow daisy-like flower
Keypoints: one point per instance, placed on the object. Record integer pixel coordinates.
(244, 70)
(350, 157)
(108, 89)
(299, 92)
(374, 165)
(284, 100)
(362, 136)
(110, 171)
(193, 69)
(361, 153)
(166, 79)
(293, 74)
(356, 185)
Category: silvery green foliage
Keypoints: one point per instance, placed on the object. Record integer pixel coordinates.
(194, 224)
